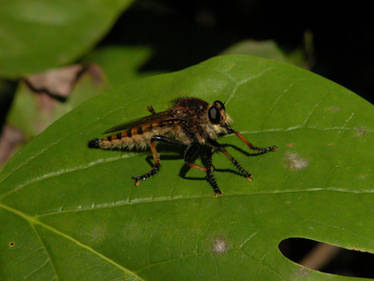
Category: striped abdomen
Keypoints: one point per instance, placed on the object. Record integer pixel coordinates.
(138, 137)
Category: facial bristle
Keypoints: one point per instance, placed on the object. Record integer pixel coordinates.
(93, 143)
(228, 120)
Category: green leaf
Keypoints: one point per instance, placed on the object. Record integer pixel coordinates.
(265, 49)
(72, 213)
(36, 35)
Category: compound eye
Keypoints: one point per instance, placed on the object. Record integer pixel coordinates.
(218, 104)
(214, 115)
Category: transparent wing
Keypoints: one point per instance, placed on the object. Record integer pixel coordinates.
(154, 118)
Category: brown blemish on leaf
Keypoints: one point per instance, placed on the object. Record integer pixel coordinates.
(46, 104)
(290, 145)
(333, 108)
(49, 90)
(59, 83)
(361, 131)
(12, 244)
(293, 161)
(331, 144)
(219, 246)
(96, 73)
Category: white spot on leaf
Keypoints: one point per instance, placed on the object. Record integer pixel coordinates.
(219, 246)
(293, 161)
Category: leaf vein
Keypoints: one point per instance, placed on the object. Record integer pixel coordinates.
(240, 83)
(46, 148)
(65, 171)
(249, 238)
(33, 220)
(149, 200)
(46, 251)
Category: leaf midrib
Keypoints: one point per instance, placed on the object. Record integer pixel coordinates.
(35, 221)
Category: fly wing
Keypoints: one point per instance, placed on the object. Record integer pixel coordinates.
(157, 118)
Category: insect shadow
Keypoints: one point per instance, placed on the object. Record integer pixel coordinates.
(180, 150)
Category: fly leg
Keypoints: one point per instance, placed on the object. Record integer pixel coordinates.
(155, 169)
(207, 160)
(191, 154)
(262, 150)
(242, 171)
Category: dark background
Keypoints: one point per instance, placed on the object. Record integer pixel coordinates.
(185, 33)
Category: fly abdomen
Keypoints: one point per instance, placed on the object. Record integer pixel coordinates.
(94, 143)
(137, 136)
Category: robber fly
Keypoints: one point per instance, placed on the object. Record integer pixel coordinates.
(191, 123)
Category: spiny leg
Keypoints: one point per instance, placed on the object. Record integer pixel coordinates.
(249, 144)
(191, 154)
(195, 150)
(155, 169)
(197, 167)
(242, 171)
(207, 161)
(212, 181)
